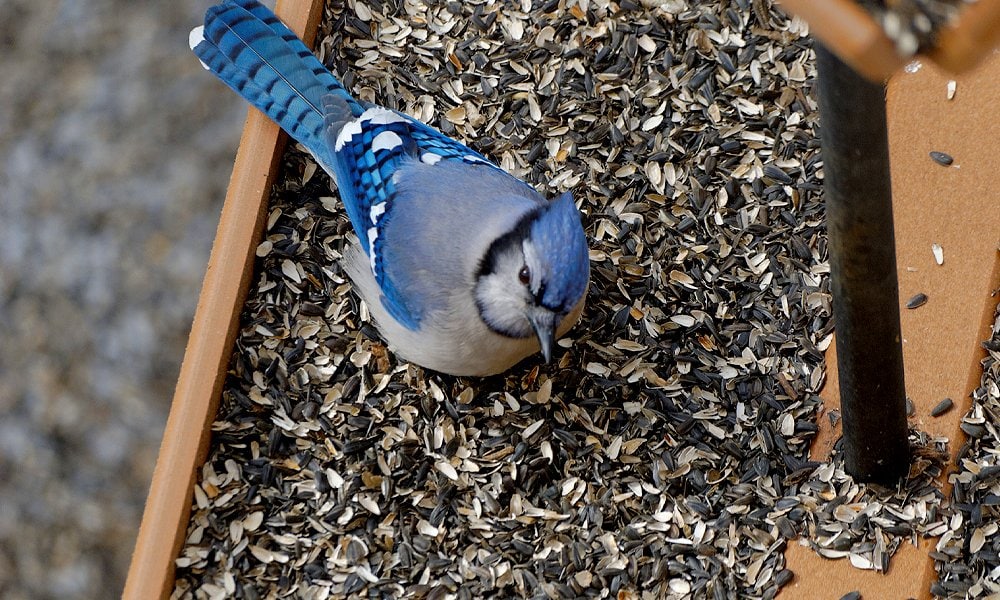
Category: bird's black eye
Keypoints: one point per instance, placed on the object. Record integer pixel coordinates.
(524, 275)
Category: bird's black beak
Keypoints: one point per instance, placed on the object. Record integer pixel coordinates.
(544, 323)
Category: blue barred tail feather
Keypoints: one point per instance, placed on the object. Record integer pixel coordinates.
(256, 55)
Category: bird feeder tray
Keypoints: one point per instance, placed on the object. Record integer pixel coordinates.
(955, 207)
(934, 206)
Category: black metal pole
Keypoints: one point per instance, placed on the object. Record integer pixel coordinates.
(862, 248)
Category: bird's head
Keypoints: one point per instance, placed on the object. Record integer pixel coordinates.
(534, 276)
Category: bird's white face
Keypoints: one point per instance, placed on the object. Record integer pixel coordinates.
(509, 293)
(535, 275)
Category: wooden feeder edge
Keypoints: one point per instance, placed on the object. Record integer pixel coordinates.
(184, 447)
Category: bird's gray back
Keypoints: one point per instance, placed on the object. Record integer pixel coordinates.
(445, 216)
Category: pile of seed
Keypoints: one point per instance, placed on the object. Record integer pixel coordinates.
(867, 523)
(913, 25)
(666, 453)
(968, 553)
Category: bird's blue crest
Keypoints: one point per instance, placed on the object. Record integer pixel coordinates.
(558, 234)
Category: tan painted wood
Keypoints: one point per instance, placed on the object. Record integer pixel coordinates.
(850, 32)
(199, 386)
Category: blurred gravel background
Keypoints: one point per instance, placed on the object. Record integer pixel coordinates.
(115, 151)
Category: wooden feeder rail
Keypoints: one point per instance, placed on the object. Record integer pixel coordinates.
(213, 333)
(851, 33)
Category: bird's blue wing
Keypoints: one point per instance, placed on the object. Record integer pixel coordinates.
(368, 152)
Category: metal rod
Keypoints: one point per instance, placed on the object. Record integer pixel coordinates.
(855, 146)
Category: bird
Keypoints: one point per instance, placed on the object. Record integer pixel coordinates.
(465, 269)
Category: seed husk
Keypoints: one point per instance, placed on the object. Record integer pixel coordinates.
(942, 407)
(938, 253)
(916, 301)
(941, 158)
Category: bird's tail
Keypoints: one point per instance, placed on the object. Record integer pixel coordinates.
(256, 55)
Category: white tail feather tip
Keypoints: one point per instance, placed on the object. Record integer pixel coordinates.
(196, 37)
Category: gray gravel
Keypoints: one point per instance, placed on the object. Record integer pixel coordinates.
(115, 150)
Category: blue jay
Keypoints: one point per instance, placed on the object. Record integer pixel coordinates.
(465, 269)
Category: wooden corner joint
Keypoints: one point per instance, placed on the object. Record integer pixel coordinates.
(852, 34)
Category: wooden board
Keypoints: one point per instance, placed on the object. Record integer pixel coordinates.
(185, 439)
(853, 35)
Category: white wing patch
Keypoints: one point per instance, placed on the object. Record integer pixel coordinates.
(429, 158)
(387, 140)
(347, 132)
(375, 115)
(372, 236)
(376, 212)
